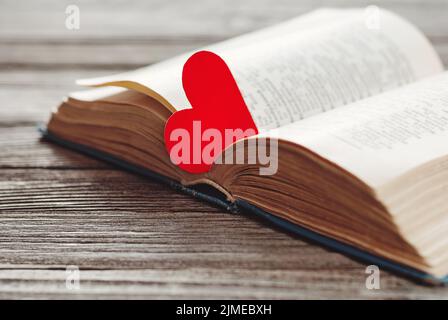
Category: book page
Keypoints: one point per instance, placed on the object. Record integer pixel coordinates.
(322, 62)
(164, 78)
(382, 137)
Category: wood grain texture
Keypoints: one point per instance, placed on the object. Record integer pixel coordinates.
(135, 32)
(131, 237)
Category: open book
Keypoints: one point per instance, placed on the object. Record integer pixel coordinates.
(361, 119)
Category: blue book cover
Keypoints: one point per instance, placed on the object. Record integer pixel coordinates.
(213, 196)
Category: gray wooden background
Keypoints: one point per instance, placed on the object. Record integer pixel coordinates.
(132, 238)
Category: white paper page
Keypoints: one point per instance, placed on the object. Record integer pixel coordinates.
(324, 61)
(331, 66)
(165, 77)
(380, 138)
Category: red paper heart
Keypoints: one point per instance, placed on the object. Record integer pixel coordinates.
(216, 104)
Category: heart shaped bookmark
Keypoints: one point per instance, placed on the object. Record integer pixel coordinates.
(195, 137)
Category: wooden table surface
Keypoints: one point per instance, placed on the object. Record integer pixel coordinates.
(130, 237)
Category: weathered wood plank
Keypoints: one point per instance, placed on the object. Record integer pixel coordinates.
(107, 220)
(28, 96)
(131, 235)
(208, 283)
(112, 56)
(22, 147)
(206, 18)
(135, 33)
(63, 54)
